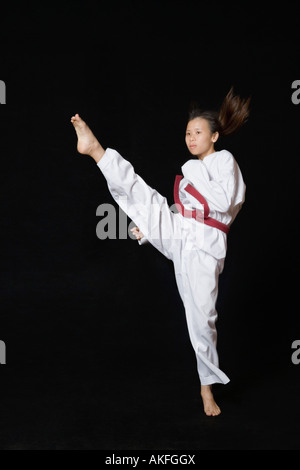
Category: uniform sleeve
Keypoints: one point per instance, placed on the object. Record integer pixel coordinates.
(220, 192)
(143, 241)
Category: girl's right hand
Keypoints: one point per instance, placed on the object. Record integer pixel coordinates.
(138, 234)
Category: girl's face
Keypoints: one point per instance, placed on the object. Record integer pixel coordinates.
(199, 139)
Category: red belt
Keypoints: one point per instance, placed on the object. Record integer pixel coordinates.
(196, 214)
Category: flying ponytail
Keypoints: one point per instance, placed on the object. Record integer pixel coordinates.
(233, 113)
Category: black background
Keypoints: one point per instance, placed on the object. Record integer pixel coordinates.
(98, 354)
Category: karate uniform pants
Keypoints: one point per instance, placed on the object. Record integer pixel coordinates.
(196, 271)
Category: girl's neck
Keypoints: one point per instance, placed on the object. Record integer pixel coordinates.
(208, 152)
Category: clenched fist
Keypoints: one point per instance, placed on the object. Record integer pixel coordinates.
(136, 231)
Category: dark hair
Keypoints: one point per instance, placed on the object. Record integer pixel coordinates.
(233, 113)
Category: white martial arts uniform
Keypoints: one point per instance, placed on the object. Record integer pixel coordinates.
(197, 250)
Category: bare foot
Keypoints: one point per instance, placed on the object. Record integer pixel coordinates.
(87, 143)
(210, 406)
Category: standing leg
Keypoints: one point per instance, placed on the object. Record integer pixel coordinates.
(197, 279)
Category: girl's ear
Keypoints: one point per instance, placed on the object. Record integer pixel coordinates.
(215, 137)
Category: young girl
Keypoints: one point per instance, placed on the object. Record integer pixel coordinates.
(208, 197)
